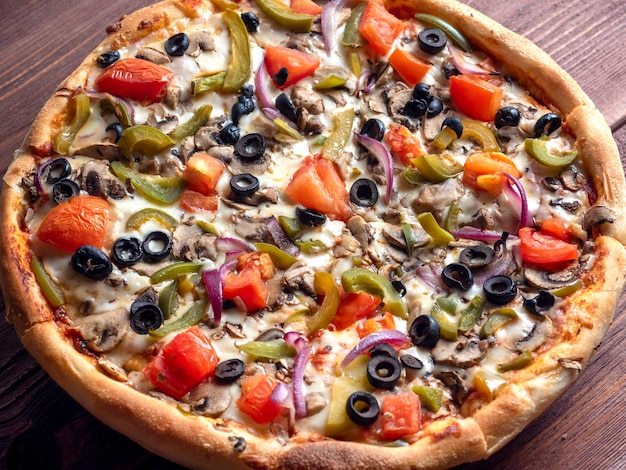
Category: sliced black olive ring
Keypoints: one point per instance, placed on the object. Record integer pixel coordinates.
(384, 371)
(373, 128)
(399, 286)
(229, 370)
(58, 170)
(432, 40)
(457, 276)
(364, 192)
(108, 58)
(229, 134)
(435, 107)
(415, 108)
(285, 106)
(421, 91)
(91, 262)
(383, 349)
(251, 21)
(507, 116)
(477, 256)
(157, 245)
(547, 124)
(424, 331)
(411, 362)
(117, 128)
(250, 146)
(144, 317)
(541, 303)
(64, 190)
(126, 251)
(362, 408)
(244, 184)
(455, 124)
(310, 217)
(500, 289)
(176, 45)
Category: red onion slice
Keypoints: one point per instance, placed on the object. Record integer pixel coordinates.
(382, 154)
(281, 395)
(329, 28)
(226, 244)
(463, 65)
(213, 283)
(516, 194)
(385, 336)
(38, 179)
(295, 340)
(298, 381)
(473, 233)
(431, 277)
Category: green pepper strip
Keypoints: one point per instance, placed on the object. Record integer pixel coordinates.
(430, 397)
(447, 28)
(497, 320)
(311, 247)
(324, 285)
(440, 236)
(240, 62)
(117, 107)
(519, 362)
(355, 64)
(447, 330)
(330, 81)
(480, 133)
(275, 349)
(158, 188)
(409, 237)
(168, 299)
(287, 129)
(145, 140)
(451, 223)
(363, 280)
(290, 226)
(413, 176)
(50, 290)
(191, 317)
(338, 138)
(447, 304)
(139, 218)
(471, 314)
(82, 110)
(568, 289)
(208, 227)
(445, 137)
(172, 271)
(538, 149)
(225, 4)
(198, 120)
(207, 83)
(280, 259)
(351, 36)
(285, 16)
(435, 169)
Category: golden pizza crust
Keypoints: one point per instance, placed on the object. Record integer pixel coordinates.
(200, 442)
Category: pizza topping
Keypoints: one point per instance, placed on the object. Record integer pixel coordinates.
(156, 246)
(384, 371)
(537, 148)
(432, 40)
(177, 45)
(547, 124)
(250, 147)
(475, 97)
(230, 370)
(145, 316)
(80, 112)
(363, 408)
(244, 185)
(126, 251)
(107, 58)
(507, 116)
(448, 28)
(91, 262)
(500, 290)
(424, 331)
(251, 21)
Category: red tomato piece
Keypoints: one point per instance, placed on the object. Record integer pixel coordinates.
(475, 97)
(136, 79)
(404, 145)
(353, 307)
(379, 27)
(556, 228)
(255, 399)
(545, 250)
(248, 286)
(317, 185)
(400, 415)
(194, 201)
(183, 363)
(411, 69)
(81, 220)
(306, 7)
(383, 322)
(483, 171)
(298, 64)
(203, 173)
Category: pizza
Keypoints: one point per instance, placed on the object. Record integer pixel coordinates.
(359, 233)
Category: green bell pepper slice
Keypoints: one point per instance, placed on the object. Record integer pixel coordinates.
(480, 133)
(538, 149)
(440, 236)
(447, 330)
(275, 349)
(445, 137)
(453, 33)
(225, 4)
(174, 270)
(497, 319)
(239, 69)
(198, 120)
(139, 218)
(521, 361)
(447, 304)
(471, 314)
(208, 227)
(311, 247)
(364, 280)
(430, 397)
(324, 285)
(158, 188)
(568, 289)
(351, 36)
(144, 140)
(207, 83)
(338, 138)
(286, 129)
(168, 299)
(191, 317)
(290, 226)
(435, 169)
(285, 16)
(50, 290)
(81, 109)
(280, 259)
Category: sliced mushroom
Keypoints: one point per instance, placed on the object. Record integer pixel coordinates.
(103, 332)
(251, 227)
(209, 399)
(538, 334)
(464, 353)
(152, 55)
(199, 41)
(345, 245)
(300, 277)
(435, 198)
(315, 402)
(596, 216)
(572, 179)
(166, 123)
(266, 194)
(570, 205)
(112, 369)
(171, 97)
(455, 382)
(190, 242)
(304, 96)
(97, 180)
(361, 230)
(547, 280)
(101, 151)
(255, 167)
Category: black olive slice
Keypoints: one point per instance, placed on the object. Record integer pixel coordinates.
(424, 331)
(383, 349)
(247, 90)
(507, 117)
(399, 286)
(176, 45)
(415, 108)
(477, 256)
(91, 262)
(500, 289)
(411, 362)
(108, 58)
(145, 316)
(547, 124)
(457, 276)
(362, 408)
(250, 146)
(244, 184)
(157, 245)
(251, 21)
(285, 106)
(435, 107)
(373, 128)
(455, 124)
(432, 40)
(229, 134)
(229, 370)
(237, 111)
(364, 192)
(539, 304)
(117, 128)
(310, 217)
(384, 371)
(247, 104)
(281, 76)
(64, 190)
(126, 251)
(57, 170)
(271, 335)
(421, 91)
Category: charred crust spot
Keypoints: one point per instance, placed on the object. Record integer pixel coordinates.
(113, 28)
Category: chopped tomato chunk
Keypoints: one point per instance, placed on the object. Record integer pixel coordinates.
(544, 250)
(307, 7)
(353, 307)
(194, 201)
(409, 66)
(379, 27)
(383, 322)
(475, 97)
(255, 399)
(400, 415)
(556, 228)
(483, 171)
(404, 145)
(203, 173)
(248, 286)
(298, 65)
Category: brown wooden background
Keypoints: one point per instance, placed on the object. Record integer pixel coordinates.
(42, 427)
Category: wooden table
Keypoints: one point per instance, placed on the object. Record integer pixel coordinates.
(39, 423)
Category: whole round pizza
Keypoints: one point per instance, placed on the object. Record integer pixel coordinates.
(314, 235)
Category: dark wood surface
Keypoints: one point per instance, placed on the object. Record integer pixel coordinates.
(42, 427)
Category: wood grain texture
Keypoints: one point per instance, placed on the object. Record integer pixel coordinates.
(42, 427)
